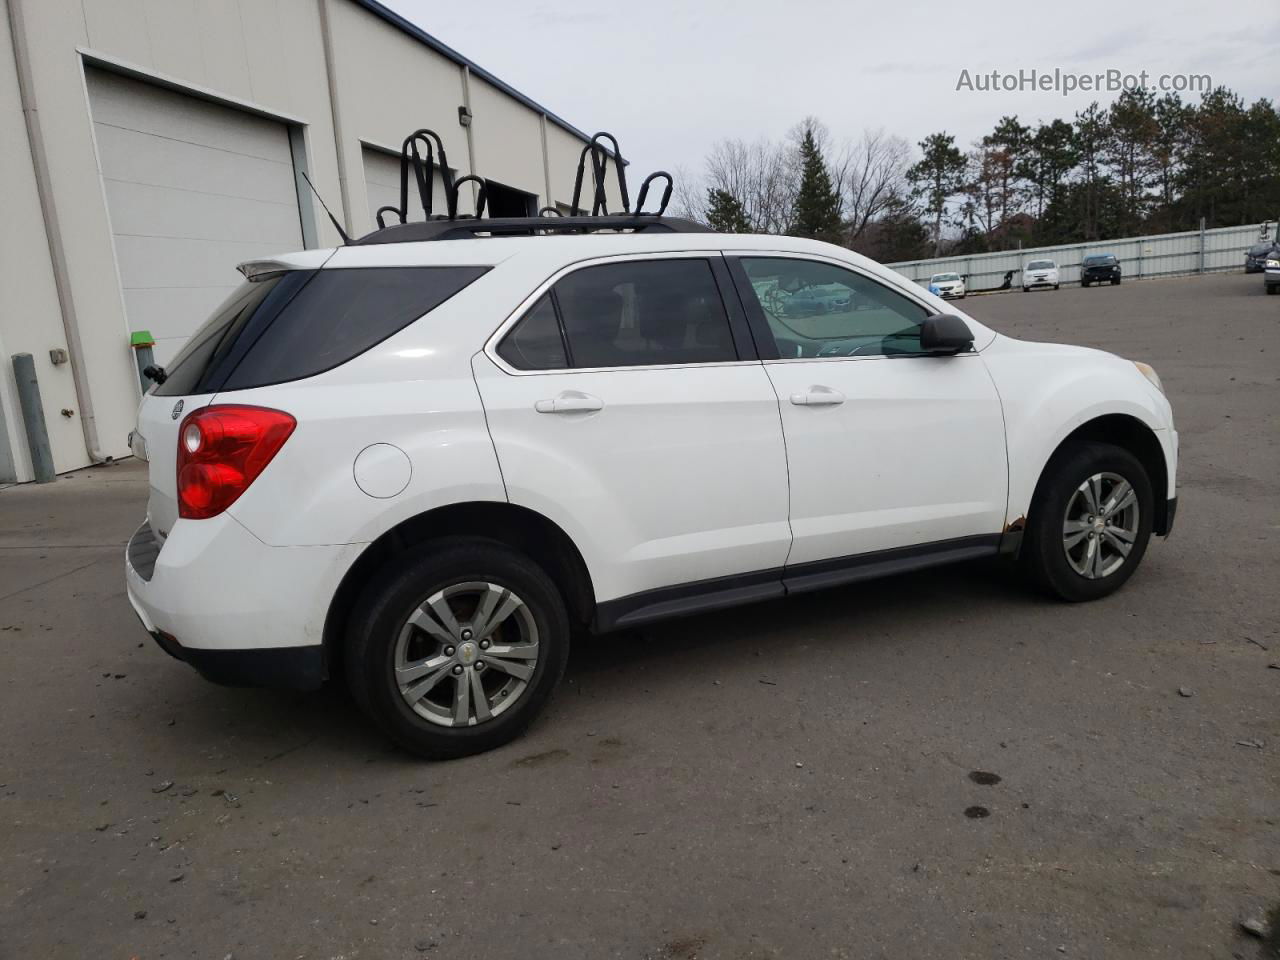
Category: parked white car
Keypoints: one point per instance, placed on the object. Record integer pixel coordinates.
(1039, 273)
(949, 286)
(426, 460)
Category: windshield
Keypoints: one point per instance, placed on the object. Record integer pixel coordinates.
(1041, 265)
(945, 278)
(1101, 259)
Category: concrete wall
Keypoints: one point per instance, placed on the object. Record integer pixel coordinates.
(278, 58)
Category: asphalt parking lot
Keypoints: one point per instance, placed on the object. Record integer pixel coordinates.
(790, 780)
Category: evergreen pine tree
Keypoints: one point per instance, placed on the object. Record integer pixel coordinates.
(725, 213)
(817, 208)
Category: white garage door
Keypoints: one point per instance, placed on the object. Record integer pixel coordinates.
(193, 189)
(382, 183)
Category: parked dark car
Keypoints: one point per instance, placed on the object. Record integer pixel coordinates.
(1100, 268)
(1256, 256)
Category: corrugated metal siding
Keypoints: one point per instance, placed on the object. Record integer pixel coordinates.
(1162, 255)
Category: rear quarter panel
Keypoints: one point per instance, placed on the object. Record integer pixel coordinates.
(414, 391)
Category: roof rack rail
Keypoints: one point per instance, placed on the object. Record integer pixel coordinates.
(528, 227)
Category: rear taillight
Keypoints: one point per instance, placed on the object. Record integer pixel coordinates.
(221, 450)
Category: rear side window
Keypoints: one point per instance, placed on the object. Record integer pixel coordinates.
(536, 342)
(304, 323)
(638, 313)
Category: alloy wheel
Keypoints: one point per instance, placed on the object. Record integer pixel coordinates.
(1100, 526)
(466, 654)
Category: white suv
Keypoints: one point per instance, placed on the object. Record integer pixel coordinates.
(425, 461)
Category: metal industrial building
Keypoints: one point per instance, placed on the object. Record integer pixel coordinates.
(151, 145)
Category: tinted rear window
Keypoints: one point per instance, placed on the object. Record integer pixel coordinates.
(644, 312)
(306, 322)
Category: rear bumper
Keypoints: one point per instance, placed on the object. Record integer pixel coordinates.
(285, 668)
(237, 610)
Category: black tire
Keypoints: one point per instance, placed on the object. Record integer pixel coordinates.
(1272, 288)
(1043, 554)
(1055, 286)
(1084, 284)
(1026, 289)
(1115, 283)
(404, 585)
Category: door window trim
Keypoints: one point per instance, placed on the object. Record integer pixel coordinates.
(766, 346)
(744, 340)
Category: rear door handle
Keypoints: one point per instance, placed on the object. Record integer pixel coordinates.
(570, 401)
(818, 396)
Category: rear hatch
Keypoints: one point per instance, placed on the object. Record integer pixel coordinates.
(191, 379)
(288, 321)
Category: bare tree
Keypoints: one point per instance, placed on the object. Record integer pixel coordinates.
(870, 174)
(762, 175)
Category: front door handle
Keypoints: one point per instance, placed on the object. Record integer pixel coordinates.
(570, 401)
(818, 396)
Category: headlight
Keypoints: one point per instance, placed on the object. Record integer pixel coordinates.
(1149, 372)
(1273, 263)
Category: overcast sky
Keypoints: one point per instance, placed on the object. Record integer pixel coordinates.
(673, 79)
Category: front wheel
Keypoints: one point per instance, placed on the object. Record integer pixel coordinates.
(455, 649)
(1115, 283)
(1090, 522)
(1055, 286)
(1085, 284)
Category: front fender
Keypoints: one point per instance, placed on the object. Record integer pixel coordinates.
(1049, 391)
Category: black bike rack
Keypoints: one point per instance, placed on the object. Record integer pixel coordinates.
(422, 154)
(600, 156)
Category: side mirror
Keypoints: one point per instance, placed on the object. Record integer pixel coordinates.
(945, 334)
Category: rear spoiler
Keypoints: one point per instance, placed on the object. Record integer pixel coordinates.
(255, 270)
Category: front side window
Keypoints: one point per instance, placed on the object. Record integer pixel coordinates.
(815, 309)
(637, 313)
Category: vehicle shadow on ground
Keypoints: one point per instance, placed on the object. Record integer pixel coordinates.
(257, 727)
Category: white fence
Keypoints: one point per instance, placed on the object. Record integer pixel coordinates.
(1164, 255)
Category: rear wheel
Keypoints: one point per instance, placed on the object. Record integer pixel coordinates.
(1090, 523)
(456, 649)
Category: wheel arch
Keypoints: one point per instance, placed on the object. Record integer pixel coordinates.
(1131, 434)
(517, 527)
